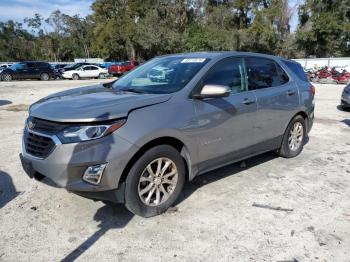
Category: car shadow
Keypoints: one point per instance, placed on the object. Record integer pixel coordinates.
(341, 108)
(110, 216)
(5, 102)
(346, 122)
(7, 189)
(220, 173)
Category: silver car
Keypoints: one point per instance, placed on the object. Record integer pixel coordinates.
(345, 97)
(137, 140)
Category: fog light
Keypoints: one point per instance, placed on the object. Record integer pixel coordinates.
(93, 174)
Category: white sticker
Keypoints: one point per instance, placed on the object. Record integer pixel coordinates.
(193, 60)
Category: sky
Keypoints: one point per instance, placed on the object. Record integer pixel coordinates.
(17, 10)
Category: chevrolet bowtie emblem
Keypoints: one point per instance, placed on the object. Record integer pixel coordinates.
(31, 125)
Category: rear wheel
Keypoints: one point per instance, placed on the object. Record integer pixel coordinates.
(7, 77)
(293, 138)
(102, 76)
(75, 77)
(155, 181)
(44, 77)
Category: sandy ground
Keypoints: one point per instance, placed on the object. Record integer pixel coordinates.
(213, 221)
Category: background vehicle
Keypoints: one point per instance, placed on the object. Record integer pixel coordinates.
(137, 140)
(72, 67)
(4, 66)
(345, 98)
(122, 67)
(28, 70)
(58, 69)
(325, 75)
(88, 71)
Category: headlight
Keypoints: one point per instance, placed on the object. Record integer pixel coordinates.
(74, 134)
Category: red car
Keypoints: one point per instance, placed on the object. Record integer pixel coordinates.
(121, 68)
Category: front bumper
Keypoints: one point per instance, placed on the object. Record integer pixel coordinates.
(65, 165)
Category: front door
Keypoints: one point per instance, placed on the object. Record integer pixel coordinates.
(226, 125)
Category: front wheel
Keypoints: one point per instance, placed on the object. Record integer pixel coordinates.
(293, 138)
(75, 77)
(155, 181)
(7, 77)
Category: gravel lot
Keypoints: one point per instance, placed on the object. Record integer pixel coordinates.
(214, 220)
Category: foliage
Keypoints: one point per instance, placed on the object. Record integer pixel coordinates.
(126, 29)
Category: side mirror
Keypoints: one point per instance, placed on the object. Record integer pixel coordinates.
(213, 91)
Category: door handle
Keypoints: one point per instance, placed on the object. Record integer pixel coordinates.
(290, 92)
(248, 101)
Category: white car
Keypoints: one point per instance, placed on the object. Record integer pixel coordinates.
(88, 71)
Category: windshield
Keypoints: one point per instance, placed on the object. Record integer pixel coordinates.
(72, 66)
(161, 75)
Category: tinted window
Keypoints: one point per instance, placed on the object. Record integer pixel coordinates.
(296, 69)
(42, 65)
(31, 65)
(229, 72)
(264, 73)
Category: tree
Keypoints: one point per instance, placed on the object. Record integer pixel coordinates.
(324, 28)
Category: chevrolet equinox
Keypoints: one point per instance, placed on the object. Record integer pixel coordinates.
(138, 139)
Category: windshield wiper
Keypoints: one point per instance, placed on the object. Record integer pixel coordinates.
(133, 90)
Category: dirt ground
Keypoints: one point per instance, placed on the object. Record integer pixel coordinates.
(215, 219)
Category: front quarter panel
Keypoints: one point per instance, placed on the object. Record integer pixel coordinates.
(174, 118)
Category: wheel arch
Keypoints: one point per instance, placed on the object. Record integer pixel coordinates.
(165, 140)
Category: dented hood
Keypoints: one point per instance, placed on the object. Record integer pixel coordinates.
(93, 103)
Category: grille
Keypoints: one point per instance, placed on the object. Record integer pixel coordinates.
(46, 126)
(37, 145)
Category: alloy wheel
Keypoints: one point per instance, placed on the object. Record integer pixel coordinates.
(296, 136)
(7, 77)
(158, 181)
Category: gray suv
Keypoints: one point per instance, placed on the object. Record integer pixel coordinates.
(138, 139)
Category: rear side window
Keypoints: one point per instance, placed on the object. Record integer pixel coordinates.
(264, 73)
(296, 69)
(31, 65)
(228, 72)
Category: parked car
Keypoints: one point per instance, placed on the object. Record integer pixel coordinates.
(122, 67)
(72, 67)
(137, 141)
(345, 98)
(28, 70)
(88, 71)
(4, 66)
(58, 70)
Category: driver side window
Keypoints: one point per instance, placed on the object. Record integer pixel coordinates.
(228, 72)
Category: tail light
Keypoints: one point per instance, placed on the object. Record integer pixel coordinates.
(312, 90)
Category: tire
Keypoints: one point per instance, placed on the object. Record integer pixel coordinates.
(75, 77)
(44, 77)
(102, 76)
(286, 150)
(7, 77)
(135, 201)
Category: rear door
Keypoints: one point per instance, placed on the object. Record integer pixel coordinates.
(32, 70)
(277, 97)
(94, 71)
(226, 124)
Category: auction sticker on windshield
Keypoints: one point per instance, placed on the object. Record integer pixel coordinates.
(193, 60)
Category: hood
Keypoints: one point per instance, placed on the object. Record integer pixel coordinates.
(93, 103)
